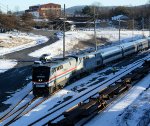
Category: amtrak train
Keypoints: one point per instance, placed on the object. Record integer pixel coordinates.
(51, 75)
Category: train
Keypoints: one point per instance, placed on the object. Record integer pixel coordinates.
(87, 109)
(52, 74)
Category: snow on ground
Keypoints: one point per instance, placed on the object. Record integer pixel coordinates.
(138, 113)
(16, 97)
(89, 83)
(127, 110)
(73, 37)
(15, 41)
(6, 65)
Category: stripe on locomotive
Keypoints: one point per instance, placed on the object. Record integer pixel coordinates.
(70, 70)
(61, 75)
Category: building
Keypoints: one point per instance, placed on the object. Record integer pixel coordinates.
(49, 10)
(34, 10)
(120, 21)
(120, 17)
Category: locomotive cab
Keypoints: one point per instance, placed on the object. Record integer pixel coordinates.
(40, 80)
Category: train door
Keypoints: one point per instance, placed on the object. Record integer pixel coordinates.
(99, 60)
(90, 62)
(53, 78)
(80, 65)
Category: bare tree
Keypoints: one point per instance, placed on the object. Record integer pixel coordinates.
(26, 22)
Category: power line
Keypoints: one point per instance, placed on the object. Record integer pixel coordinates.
(2, 6)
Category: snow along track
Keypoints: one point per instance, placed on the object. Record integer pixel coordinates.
(13, 114)
(113, 113)
(12, 110)
(24, 109)
(53, 113)
(110, 101)
(21, 109)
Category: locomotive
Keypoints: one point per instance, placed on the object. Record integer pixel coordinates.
(53, 74)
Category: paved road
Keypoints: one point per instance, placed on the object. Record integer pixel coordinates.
(16, 78)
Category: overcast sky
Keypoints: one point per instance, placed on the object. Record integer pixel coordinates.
(14, 5)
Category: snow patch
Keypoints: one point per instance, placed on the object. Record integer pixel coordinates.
(15, 41)
(110, 116)
(6, 65)
(72, 38)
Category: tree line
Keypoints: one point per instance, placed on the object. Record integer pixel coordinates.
(25, 22)
(11, 21)
(140, 14)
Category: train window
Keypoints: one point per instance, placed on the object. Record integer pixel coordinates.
(87, 57)
(53, 70)
(61, 66)
(129, 49)
(112, 55)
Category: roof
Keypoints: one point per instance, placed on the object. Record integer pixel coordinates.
(54, 62)
(109, 50)
(50, 4)
(119, 17)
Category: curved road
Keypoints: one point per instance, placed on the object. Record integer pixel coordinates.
(16, 77)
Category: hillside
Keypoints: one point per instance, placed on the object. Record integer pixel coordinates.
(71, 10)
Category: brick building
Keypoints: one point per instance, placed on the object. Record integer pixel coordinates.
(49, 10)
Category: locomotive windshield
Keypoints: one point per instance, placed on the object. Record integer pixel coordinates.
(40, 74)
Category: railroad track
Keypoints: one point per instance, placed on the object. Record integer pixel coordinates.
(56, 112)
(116, 98)
(10, 111)
(88, 119)
(25, 112)
(13, 116)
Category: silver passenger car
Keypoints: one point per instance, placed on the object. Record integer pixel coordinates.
(111, 54)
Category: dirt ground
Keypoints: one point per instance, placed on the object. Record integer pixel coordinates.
(14, 41)
(91, 43)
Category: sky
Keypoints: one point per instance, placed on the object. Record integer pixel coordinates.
(18, 5)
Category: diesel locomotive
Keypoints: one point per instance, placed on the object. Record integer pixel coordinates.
(53, 74)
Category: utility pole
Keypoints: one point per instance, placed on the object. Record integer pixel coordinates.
(7, 9)
(64, 33)
(149, 26)
(0, 9)
(119, 30)
(143, 26)
(95, 31)
(132, 28)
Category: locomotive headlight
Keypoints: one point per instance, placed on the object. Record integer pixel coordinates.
(40, 80)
